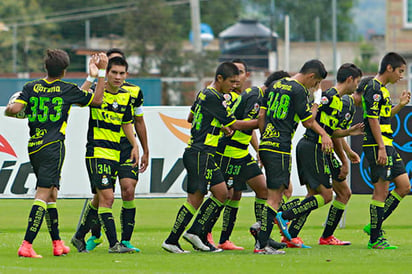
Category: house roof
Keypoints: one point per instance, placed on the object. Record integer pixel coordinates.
(246, 28)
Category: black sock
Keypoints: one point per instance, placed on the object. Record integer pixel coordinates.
(290, 204)
(259, 205)
(52, 220)
(268, 217)
(127, 221)
(376, 212)
(89, 218)
(229, 219)
(38, 210)
(391, 202)
(109, 227)
(297, 225)
(184, 215)
(335, 214)
(207, 212)
(306, 205)
(96, 228)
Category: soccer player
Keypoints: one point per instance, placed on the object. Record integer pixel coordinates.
(384, 161)
(237, 165)
(103, 150)
(320, 171)
(209, 115)
(127, 173)
(47, 103)
(284, 104)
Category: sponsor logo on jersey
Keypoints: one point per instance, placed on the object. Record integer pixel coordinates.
(324, 100)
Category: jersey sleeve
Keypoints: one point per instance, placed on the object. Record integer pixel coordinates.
(75, 95)
(264, 99)
(217, 107)
(251, 107)
(302, 106)
(128, 115)
(373, 100)
(24, 95)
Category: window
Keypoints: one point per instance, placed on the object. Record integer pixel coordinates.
(407, 18)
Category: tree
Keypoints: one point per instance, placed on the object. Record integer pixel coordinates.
(302, 14)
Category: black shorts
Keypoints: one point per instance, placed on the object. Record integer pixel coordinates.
(125, 168)
(202, 171)
(393, 169)
(277, 168)
(240, 170)
(102, 173)
(47, 164)
(314, 166)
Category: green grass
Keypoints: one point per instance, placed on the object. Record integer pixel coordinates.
(155, 218)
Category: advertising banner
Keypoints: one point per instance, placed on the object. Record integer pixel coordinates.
(168, 133)
(402, 132)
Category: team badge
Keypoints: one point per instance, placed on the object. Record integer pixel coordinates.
(256, 107)
(324, 100)
(224, 103)
(347, 116)
(227, 96)
(376, 97)
(115, 105)
(105, 180)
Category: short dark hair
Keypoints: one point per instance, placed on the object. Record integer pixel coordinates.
(226, 70)
(118, 61)
(393, 59)
(363, 84)
(347, 70)
(56, 61)
(314, 66)
(240, 61)
(115, 50)
(277, 75)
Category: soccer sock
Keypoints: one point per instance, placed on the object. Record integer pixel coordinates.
(307, 205)
(391, 202)
(290, 204)
(52, 220)
(229, 219)
(36, 215)
(297, 225)
(184, 215)
(335, 214)
(127, 219)
(259, 205)
(268, 217)
(376, 211)
(109, 227)
(89, 218)
(209, 210)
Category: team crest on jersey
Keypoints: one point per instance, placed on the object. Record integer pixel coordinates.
(324, 100)
(376, 97)
(256, 107)
(105, 180)
(115, 105)
(224, 103)
(227, 96)
(347, 116)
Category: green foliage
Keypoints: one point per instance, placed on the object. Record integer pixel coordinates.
(302, 14)
(154, 221)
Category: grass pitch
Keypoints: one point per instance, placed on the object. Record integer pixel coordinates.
(155, 218)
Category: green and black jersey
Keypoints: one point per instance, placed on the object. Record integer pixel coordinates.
(286, 102)
(47, 108)
(209, 115)
(328, 116)
(136, 102)
(348, 111)
(245, 107)
(105, 125)
(376, 103)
